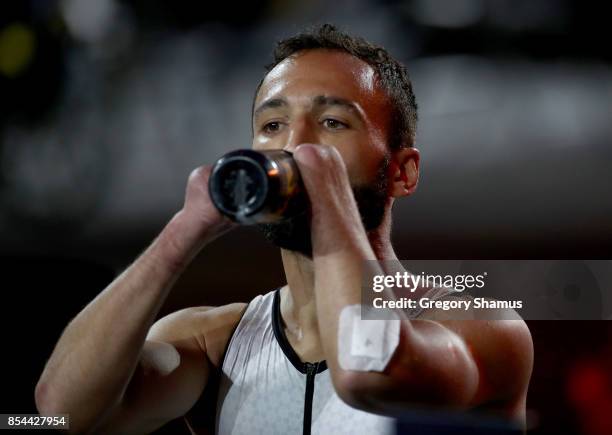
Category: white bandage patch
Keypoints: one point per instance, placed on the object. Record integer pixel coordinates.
(366, 345)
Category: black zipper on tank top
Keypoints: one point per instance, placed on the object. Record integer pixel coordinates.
(311, 371)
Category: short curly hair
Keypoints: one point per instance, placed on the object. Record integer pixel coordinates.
(392, 74)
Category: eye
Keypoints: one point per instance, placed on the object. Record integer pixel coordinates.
(334, 124)
(271, 127)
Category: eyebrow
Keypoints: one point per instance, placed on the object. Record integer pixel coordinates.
(319, 100)
(323, 100)
(270, 104)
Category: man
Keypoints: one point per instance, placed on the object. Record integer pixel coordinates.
(346, 110)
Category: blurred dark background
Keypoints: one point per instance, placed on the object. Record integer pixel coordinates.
(107, 105)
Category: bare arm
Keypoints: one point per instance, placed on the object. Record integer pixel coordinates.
(94, 361)
(440, 362)
(173, 368)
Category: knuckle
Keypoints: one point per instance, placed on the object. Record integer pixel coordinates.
(322, 158)
(199, 174)
(193, 175)
(333, 159)
(328, 153)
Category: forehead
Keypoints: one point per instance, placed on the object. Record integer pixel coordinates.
(324, 72)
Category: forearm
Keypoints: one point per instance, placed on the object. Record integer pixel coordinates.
(431, 363)
(98, 351)
(340, 254)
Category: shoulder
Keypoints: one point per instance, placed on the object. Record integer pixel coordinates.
(502, 347)
(210, 326)
(218, 328)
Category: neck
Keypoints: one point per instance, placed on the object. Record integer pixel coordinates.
(298, 307)
(380, 239)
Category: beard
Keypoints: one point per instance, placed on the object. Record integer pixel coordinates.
(294, 233)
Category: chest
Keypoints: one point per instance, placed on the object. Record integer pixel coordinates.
(271, 396)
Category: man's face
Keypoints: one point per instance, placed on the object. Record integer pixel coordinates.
(326, 97)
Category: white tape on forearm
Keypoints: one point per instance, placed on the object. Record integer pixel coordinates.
(366, 345)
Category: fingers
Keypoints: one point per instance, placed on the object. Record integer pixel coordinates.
(199, 176)
(334, 208)
(198, 203)
(319, 158)
(323, 172)
(336, 224)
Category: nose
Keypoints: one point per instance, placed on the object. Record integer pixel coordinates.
(300, 131)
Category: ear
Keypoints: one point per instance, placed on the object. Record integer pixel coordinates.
(404, 172)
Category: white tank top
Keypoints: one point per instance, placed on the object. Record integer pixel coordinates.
(264, 387)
